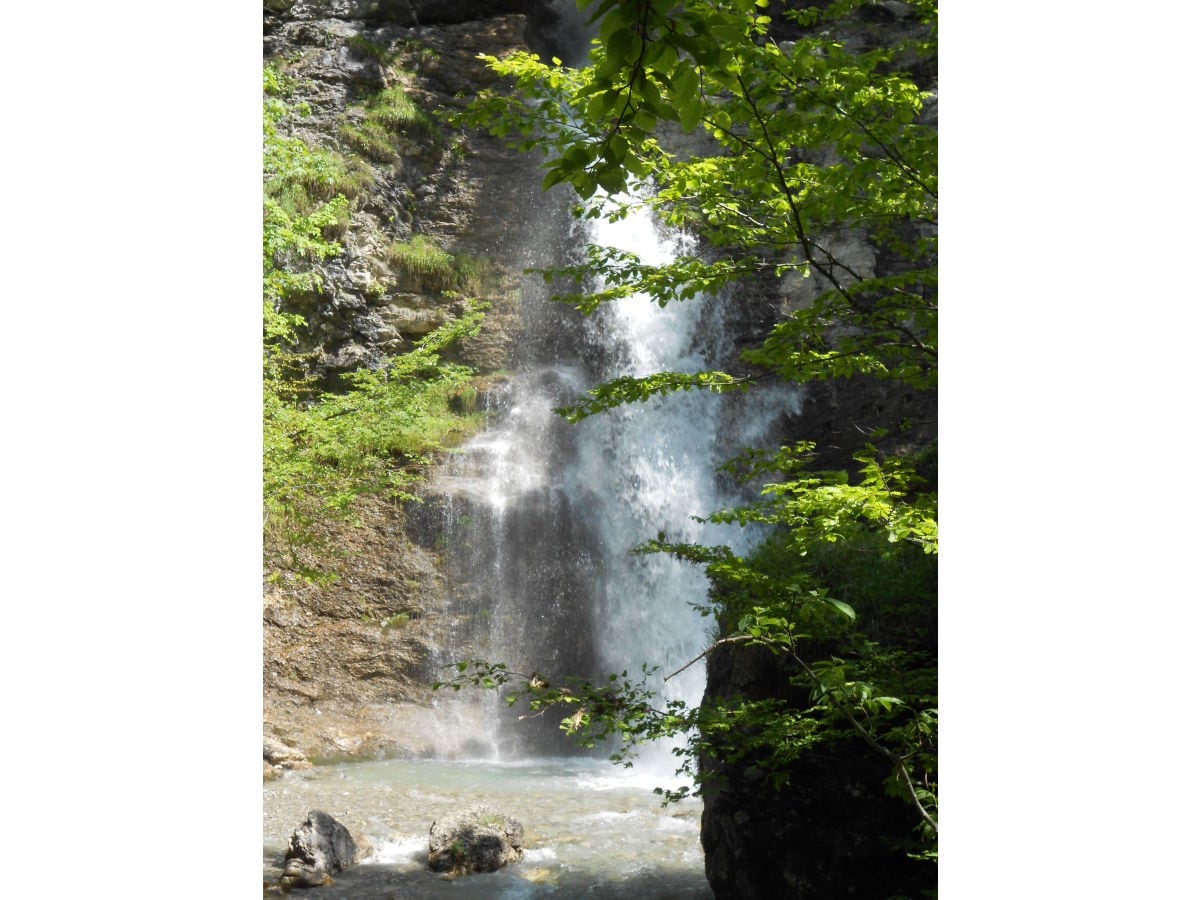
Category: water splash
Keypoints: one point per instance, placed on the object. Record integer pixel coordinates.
(590, 831)
(540, 517)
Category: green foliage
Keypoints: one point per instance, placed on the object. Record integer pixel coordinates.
(376, 124)
(421, 256)
(439, 269)
(296, 175)
(465, 400)
(426, 55)
(306, 202)
(629, 390)
(817, 144)
(303, 205)
(393, 108)
(371, 438)
(368, 49)
(322, 450)
(843, 592)
(813, 144)
(397, 621)
(371, 139)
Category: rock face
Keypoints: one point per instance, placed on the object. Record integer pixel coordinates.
(474, 839)
(338, 656)
(419, 186)
(829, 833)
(278, 756)
(320, 847)
(547, 20)
(347, 663)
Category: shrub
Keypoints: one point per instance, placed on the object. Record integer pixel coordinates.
(371, 139)
(421, 256)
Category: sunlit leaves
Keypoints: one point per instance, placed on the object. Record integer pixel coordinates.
(323, 450)
(323, 454)
(625, 275)
(800, 151)
(625, 390)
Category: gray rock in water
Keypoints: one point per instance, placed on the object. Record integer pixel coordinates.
(319, 847)
(474, 839)
(299, 874)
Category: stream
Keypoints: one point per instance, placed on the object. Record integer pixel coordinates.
(591, 829)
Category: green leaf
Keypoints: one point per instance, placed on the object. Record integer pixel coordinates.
(844, 608)
(623, 46)
(821, 146)
(685, 82)
(690, 114)
(555, 176)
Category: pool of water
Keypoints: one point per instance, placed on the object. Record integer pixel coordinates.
(591, 829)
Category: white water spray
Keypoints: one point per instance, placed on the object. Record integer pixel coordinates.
(649, 469)
(541, 517)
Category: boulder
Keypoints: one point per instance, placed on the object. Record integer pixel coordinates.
(474, 839)
(318, 848)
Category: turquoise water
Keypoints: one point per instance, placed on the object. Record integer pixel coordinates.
(591, 829)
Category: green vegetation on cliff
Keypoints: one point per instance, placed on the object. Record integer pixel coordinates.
(323, 449)
(821, 166)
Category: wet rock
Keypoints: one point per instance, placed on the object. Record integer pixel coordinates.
(299, 874)
(897, 9)
(474, 839)
(319, 847)
(278, 757)
(409, 320)
(276, 752)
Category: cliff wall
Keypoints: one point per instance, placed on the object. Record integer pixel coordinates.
(347, 661)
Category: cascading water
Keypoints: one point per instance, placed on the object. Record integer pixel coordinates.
(648, 468)
(534, 521)
(540, 518)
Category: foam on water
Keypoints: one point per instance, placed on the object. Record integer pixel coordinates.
(616, 842)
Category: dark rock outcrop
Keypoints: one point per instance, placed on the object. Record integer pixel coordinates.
(553, 26)
(474, 839)
(829, 833)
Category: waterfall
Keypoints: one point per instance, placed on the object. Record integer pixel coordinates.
(648, 468)
(538, 518)
(535, 520)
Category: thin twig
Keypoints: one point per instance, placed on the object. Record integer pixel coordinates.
(694, 660)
